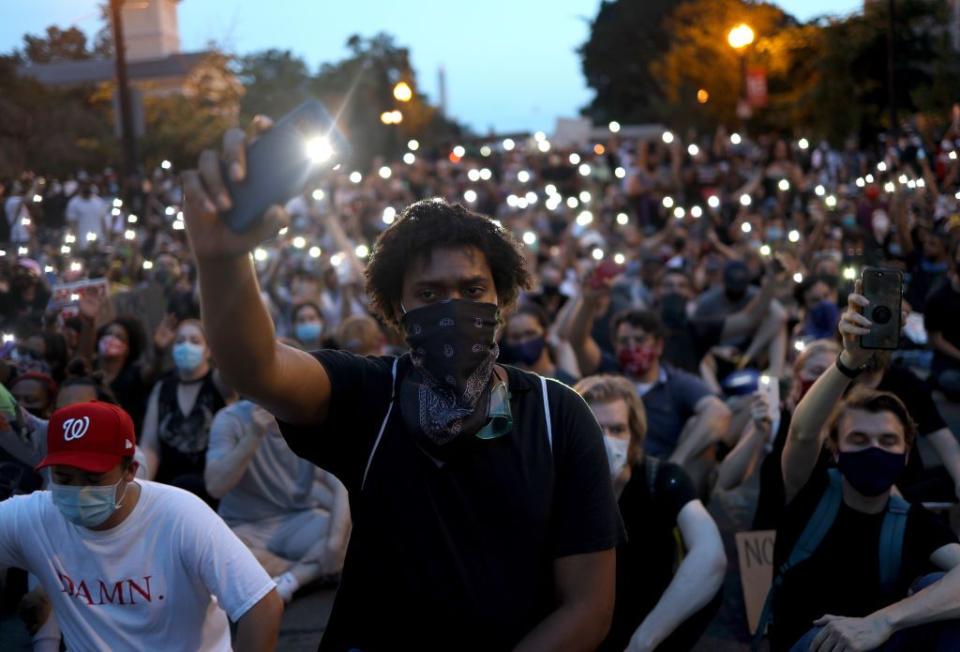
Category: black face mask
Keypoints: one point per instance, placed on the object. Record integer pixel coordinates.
(453, 350)
(871, 471)
(673, 311)
(734, 295)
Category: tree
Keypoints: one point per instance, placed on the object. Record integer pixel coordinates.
(179, 127)
(56, 45)
(699, 57)
(625, 37)
(50, 129)
(360, 88)
(276, 81)
(851, 96)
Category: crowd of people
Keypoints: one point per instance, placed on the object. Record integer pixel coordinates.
(700, 293)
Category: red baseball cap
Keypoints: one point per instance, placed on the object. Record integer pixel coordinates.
(91, 436)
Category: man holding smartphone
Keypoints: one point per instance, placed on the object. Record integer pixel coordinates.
(484, 516)
(850, 556)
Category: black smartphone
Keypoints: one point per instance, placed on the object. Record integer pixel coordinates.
(301, 144)
(883, 288)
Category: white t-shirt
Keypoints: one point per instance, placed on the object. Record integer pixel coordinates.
(147, 584)
(87, 214)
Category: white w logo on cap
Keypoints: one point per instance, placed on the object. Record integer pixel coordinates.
(75, 428)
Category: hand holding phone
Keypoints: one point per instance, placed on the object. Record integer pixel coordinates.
(279, 163)
(883, 288)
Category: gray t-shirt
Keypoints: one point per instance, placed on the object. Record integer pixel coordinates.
(276, 482)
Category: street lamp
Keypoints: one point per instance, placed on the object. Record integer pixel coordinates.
(739, 38)
(402, 92)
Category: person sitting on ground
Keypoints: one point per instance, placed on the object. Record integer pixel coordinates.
(293, 516)
(847, 550)
(525, 345)
(131, 564)
(361, 334)
(684, 418)
(176, 430)
(665, 598)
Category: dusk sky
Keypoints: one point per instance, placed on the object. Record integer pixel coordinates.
(511, 64)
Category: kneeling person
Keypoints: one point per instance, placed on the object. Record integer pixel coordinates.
(293, 516)
(131, 564)
(665, 597)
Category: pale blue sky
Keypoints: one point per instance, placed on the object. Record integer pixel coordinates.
(511, 64)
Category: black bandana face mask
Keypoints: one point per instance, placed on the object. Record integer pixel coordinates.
(453, 349)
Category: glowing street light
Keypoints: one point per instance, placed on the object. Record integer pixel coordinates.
(740, 36)
(402, 92)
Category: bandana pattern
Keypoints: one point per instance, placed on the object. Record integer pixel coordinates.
(453, 351)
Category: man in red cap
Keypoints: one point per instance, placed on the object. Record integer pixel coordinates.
(130, 564)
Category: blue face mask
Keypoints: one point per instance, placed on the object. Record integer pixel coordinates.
(86, 506)
(188, 356)
(308, 331)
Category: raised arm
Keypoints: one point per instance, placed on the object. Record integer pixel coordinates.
(807, 432)
(291, 384)
(579, 323)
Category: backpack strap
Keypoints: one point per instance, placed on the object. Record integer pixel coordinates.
(810, 539)
(383, 426)
(891, 542)
(546, 412)
(651, 466)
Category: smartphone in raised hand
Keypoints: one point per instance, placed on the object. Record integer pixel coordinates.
(303, 143)
(883, 288)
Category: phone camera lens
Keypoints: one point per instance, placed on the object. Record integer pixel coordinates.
(881, 315)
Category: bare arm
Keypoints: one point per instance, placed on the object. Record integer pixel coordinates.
(291, 384)
(697, 580)
(742, 460)
(222, 474)
(578, 334)
(149, 439)
(706, 426)
(585, 588)
(941, 345)
(746, 321)
(258, 629)
(938, 602)
(949, 451)
(807, 432)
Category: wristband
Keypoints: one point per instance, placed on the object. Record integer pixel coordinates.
(847, 371)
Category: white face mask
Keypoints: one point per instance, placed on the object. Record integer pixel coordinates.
(616, 454)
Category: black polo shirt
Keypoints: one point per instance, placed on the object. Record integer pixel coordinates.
(460, 556)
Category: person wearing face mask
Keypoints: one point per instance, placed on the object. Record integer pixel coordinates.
(180, 412)
(665, 597)
(524, 345)
(128, 563)
(685, 419)
(850, 556)
(308, 325)
(497, 478)
(128, 369)
(35, 392)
